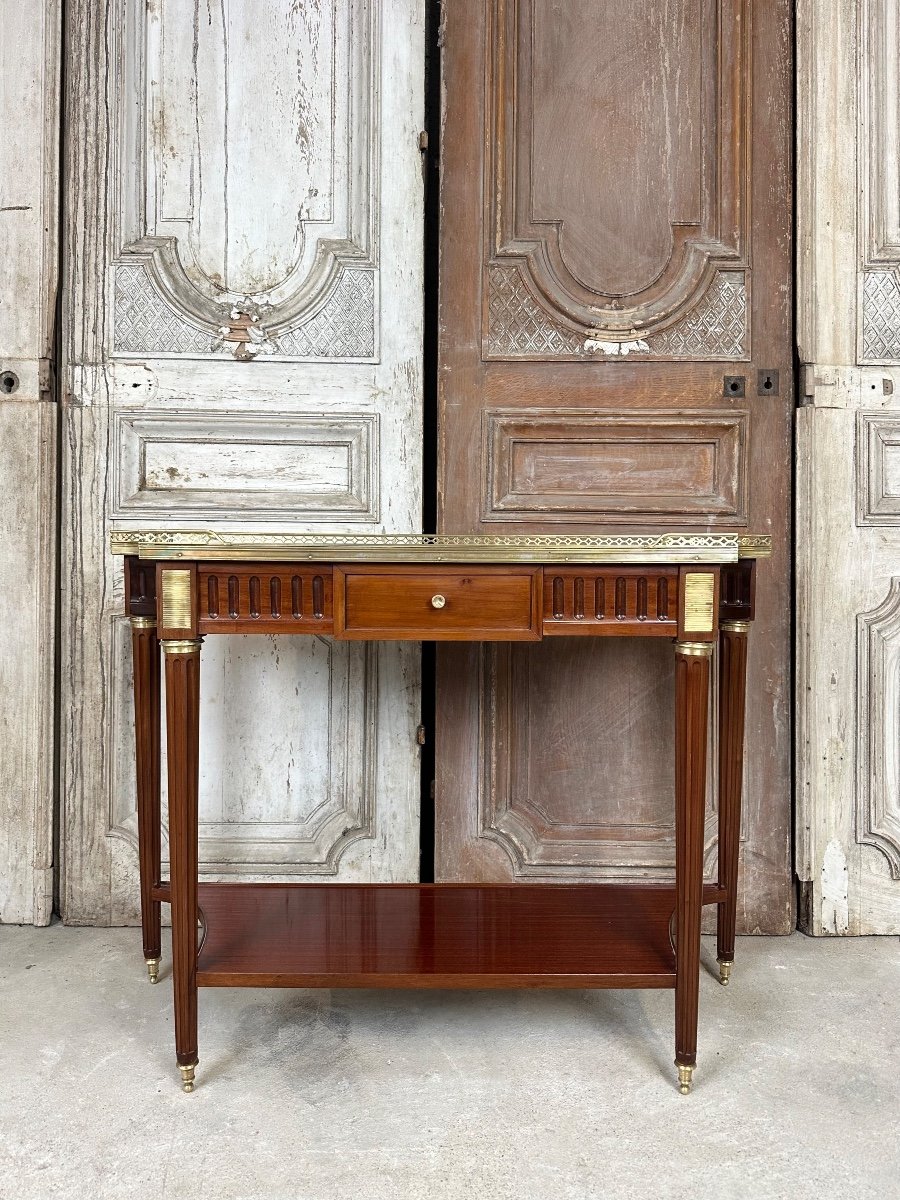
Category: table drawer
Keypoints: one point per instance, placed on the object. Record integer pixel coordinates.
(450, 604)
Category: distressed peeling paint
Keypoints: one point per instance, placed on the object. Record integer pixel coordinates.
(616, 349)
(835, 909)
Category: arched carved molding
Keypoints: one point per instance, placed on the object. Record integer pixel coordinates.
(879, 167)
(157, 312)
(878, 728)
(209, 248)
(511, 814)
(312, 844)
(706, 223)
(717, 328)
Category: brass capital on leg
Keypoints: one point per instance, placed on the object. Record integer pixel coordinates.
(182, 645)
(735, 626)
(143, 622)
(694, 649)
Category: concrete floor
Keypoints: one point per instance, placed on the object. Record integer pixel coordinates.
(550, 1096)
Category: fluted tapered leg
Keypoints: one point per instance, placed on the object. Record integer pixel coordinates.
(691, 715)
(732, 704)
(145, 658)
(182, 746)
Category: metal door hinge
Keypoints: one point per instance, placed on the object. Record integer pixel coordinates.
(810, 383)
(423, 150)
(807, 385)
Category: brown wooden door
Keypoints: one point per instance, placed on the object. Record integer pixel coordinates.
(615, 353)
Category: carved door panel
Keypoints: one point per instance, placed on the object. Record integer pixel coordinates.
(243, 347)
(616, 354)
(848, 470)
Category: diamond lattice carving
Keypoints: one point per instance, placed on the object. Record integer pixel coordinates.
(344, 328)
(144, 323)
(518, 327)
(881, 317)
(716, 328)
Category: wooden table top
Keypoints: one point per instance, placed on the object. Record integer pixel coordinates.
(228, 545)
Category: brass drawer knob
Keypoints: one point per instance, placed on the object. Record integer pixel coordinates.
(438, 601)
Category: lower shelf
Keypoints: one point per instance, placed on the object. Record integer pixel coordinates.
(436, 935)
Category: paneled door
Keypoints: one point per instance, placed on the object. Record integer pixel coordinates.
(243, 328)
(848, 469)
(615, 344)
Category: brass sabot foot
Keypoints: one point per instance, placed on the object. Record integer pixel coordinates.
(187, 1077)
(724, 971)
(153, 969)
(685, 1079)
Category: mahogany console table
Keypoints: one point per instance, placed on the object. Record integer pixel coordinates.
(696, 589)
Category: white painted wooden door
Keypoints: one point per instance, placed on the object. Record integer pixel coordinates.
(29, 188)
(848, 467)
(242, 346)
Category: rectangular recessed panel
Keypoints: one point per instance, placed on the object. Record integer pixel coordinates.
(891, 471)
(245, 467)
(247, 464)
(878, 468)
(602, 468)
(679, 467)
(346, 935)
